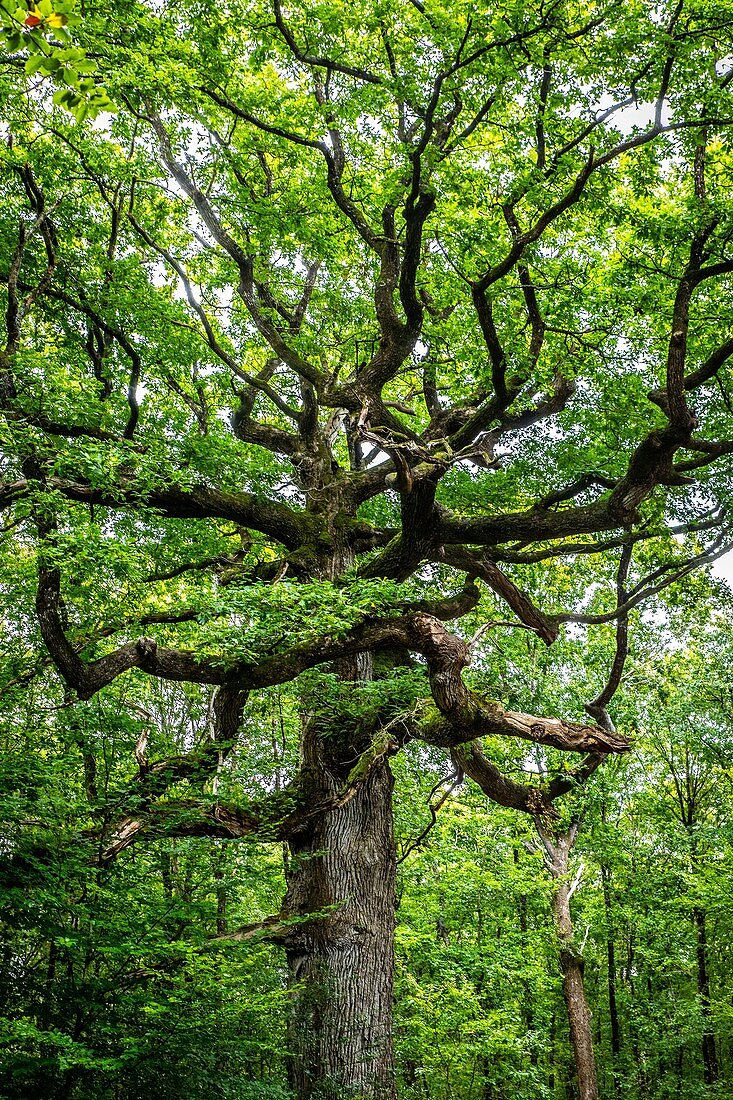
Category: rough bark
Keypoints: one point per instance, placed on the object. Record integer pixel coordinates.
(340, 962)
(341, 881)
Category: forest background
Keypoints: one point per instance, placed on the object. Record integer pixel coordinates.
(365, 425)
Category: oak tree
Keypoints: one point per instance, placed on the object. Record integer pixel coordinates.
(346, 323)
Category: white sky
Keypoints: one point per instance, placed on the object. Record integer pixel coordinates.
(723, 568)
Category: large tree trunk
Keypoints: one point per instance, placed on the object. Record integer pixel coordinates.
(341, 962)
(341, 875)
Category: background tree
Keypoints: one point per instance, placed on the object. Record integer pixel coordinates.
(348, 323)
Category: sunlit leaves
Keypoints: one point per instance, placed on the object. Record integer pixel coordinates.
(42, 33)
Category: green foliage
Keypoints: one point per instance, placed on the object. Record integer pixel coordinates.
(42, 34)
(174, 275)
(111, 986)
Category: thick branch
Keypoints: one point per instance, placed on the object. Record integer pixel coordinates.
(278, 816)
(471, 759)
(519, 601)
(270, 517)
(463, 715)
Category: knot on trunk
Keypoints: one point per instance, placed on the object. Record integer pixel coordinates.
(147, 649)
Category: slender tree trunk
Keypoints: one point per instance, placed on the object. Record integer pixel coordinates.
(709, 1051)
(612, 980)
(221, 893)
(579, 1015)
(557, 860)
(487, 1091)
(341, 963)
(529, 1021)
(552, 1047)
